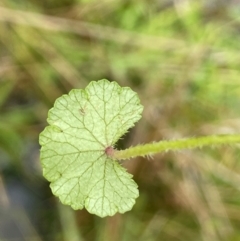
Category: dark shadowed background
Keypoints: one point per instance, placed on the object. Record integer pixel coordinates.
(183, 59)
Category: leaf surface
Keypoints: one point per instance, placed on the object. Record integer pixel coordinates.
(82, 125)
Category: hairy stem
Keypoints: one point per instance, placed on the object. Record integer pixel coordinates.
(162, 146)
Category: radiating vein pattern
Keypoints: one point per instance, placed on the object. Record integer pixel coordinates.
(82, 125)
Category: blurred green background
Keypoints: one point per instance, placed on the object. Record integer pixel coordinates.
(183, 59)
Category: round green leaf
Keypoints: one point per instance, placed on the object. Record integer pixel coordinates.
(76, 148)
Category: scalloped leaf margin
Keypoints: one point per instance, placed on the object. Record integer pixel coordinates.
(82, 125)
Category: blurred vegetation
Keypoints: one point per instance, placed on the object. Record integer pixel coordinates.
(181, 56)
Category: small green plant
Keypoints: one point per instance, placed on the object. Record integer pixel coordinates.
(78, 155)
